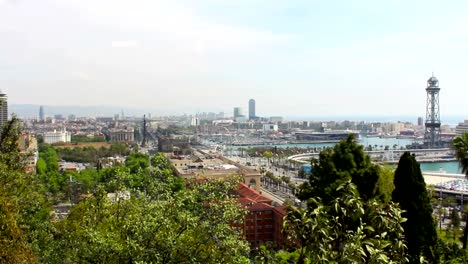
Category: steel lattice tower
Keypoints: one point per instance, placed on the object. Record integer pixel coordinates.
(432, 133)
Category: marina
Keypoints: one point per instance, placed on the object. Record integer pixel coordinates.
(437, 161)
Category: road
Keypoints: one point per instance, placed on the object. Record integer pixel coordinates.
(280, 193)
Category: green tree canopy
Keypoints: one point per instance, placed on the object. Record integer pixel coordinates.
(411, 193)
(460, 144)
(137, 161)
(192, 225)
(346, 230)
(335, 166)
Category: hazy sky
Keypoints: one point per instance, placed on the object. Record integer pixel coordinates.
(296, 58)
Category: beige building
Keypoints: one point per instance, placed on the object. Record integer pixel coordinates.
(27, 144)
(122, 135)
(461, 128)
(201, 165)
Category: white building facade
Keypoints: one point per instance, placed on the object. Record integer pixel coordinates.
(461, 128)
(56, 137)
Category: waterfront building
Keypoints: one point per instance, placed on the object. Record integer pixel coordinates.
(270, 128)
(252, 109)
(327, 136)
(57, 136)
(3, 109)
(432, 133)
(461, 128)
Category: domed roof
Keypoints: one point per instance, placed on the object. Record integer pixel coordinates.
(432, 79)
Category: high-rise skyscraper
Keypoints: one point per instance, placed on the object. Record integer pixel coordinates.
(237, 112)
(420, 121)
(41, 114)
(252, 109)
(3, 109)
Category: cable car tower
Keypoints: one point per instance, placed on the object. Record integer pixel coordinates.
(432, 133)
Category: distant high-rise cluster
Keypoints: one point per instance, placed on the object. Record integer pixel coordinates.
(3, 109)
(252, 109)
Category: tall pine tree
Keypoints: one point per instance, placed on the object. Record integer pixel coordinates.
(411, 193)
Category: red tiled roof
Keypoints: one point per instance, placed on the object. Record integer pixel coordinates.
(260, 207)
(246, 201)
(245, 191)
(282, 210)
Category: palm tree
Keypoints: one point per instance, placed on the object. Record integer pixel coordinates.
(460, 144)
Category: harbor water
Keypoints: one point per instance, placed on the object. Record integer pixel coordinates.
(375, 143)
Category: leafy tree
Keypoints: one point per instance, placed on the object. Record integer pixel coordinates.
(49, 156)
(41, 166)
(137, 161)
(451, 252)
(346, 161)
(14, 247)
(347, 230)
(411, 193)
(268, 155)
(385, 183)
(301, 173)
(455, 220)
(460, 144)
(25, 227)
(88, 179)
(192, 225)
(9, 150)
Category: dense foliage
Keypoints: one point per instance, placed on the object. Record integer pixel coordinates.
(347, 230)
(139, 212)
(410, 192)
(342, 163)
(136, 214)
(87, 139)
(87, 154)
(460, 144)
(347, 218)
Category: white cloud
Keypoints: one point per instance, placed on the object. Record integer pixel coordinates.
(124, 44)
(172, 21)
(81, 76)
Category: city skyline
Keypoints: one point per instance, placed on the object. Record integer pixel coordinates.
(308, 59)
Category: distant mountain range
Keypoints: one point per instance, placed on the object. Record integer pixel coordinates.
(32, 111)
